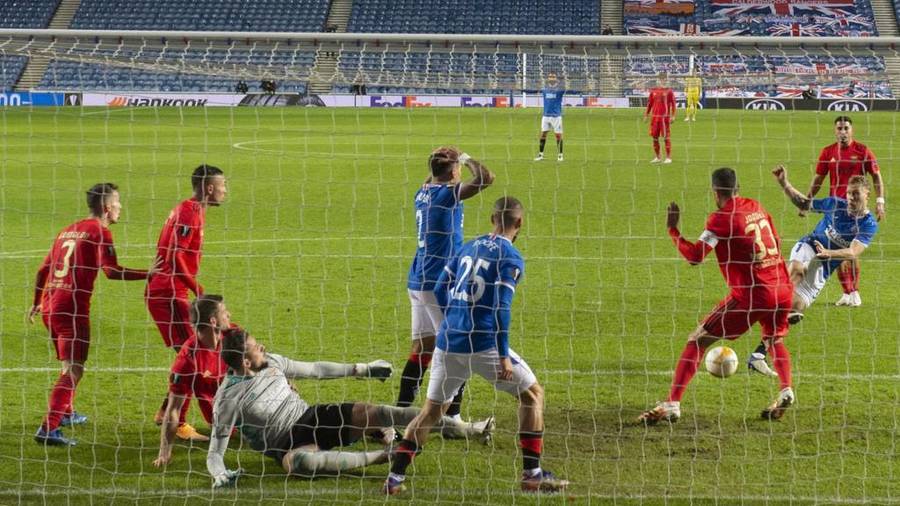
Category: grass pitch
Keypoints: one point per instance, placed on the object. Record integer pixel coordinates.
(312, 249)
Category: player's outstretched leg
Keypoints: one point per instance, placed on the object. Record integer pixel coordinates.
(757, 361)
(541, 144)
(685, 369)
(531, 441)
(455, 409)
(413, 440)
(848, 274)
(781, 361)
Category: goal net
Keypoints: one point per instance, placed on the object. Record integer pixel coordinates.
(312, 247)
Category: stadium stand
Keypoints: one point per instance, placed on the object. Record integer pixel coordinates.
(26, 13)
(897, 11)
(10, 69)
(226, 15)
(786, 18)
(572, 17)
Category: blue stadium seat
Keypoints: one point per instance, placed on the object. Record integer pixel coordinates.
(11, 68)
(224, 15)
(26, 13)
(570, 17)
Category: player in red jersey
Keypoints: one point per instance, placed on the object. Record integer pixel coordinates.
(197, 371)
(749, 254)
(661, 112)
(179, 252)
(841, 161)
(62, 294)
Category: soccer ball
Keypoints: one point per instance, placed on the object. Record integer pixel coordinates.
(721, 361)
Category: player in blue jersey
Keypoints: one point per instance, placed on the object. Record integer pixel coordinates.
(439, 235)
(844, 232)
(552, 119)
(476, 289)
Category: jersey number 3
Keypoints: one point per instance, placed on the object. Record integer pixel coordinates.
(764, 244)
(67, 259)
(459, 291)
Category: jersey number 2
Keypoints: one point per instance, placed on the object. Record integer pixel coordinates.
(763, 239)
(459, 292)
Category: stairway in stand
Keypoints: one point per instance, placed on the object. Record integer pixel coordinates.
(37, 64)
(325, 66)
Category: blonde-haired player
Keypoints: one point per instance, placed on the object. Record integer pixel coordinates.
(693, 86)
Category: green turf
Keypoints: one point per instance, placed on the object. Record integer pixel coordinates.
(312, 249)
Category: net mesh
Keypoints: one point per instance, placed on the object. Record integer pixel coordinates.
(312, 247)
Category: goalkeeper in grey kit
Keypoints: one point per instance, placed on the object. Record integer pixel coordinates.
(257, 397)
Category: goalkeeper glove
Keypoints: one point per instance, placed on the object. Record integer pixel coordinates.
(379, 369)
(226, 479)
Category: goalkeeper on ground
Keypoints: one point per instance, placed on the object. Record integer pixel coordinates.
(693, 87)
(257, 397)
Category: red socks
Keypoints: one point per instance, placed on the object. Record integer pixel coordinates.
(668, 147)
(60, 400)
(849, 277)
(656, 146)
(532, 444)
(781, 361)
(685, 370)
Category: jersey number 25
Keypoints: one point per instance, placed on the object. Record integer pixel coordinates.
(460, 292)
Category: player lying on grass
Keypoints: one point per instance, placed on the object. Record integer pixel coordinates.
(257, 397)
(477, 289)
(62, 295)
(748, 250)
(844, 232)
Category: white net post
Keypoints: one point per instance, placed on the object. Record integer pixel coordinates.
(315, 241)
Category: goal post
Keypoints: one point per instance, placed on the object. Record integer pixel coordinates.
(446, 63)
(312, 247)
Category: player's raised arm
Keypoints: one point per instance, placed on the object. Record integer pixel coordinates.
(481, 177)
(380, 369)
(800, 200)
(693, 252)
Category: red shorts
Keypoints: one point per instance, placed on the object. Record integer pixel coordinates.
(172, 316)
(71, 336)
(659, 127)
(733, 317)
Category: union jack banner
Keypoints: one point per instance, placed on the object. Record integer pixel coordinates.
(796, 30)
(683, 29)
(730, 8)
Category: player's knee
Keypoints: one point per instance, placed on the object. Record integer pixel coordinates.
(295, 461)
(533, 396)
(73, 369)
